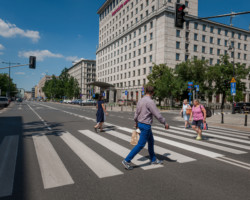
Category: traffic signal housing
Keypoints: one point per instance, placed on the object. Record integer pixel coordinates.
(179, 15)
(32, 62)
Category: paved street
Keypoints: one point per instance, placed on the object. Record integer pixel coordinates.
(50, 151)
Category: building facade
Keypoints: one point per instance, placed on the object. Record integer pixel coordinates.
(39, 88)
(84, 72)
(134, 34)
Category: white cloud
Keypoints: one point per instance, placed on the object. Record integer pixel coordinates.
(43, 74)
(20, 73)
(1, 47)
(72, 58)
(40, 54)
(9, 30)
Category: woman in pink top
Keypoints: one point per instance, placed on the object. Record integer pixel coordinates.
(199, 117)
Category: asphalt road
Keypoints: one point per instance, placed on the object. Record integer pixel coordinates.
(50, 151)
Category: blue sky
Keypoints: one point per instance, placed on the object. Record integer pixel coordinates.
(60, 31)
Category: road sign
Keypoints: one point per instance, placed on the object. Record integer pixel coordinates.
(197, 88)
(190, 87)
(93, 95)
(190, 83)
(142, 89)
(233, 88)
(103, 94)
(126, 92)
(142, 93)
(233, 80)
(190, 93)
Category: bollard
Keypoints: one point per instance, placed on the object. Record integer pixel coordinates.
(132, 108)
(245, 119)
(222, 117)
(213, 111)
(121, 108)
(111, 108)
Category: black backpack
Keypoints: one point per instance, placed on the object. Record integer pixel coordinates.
(208, 111)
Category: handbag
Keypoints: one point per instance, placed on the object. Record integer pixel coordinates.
(204, 126)
(188, 111)
(134, 138)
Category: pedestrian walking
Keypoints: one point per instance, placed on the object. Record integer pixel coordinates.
(199, 118)
(186, 111)
(145, 111)
(100, 114)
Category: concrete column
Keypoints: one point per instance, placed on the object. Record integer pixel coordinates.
(111, 96)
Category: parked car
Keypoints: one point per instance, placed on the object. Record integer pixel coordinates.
(89, 102)
(241, 107)
(67, 101)
(76, 101)
(4, 102)
(20, 100)
(124, 102)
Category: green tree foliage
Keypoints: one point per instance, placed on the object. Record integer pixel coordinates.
(191, 71)
(4, 85)
(220, 75)
(163, 80)
(64, 85)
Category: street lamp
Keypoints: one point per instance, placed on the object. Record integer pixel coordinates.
(10, 63)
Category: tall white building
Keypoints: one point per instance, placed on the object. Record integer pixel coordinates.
(84, 71)
(134, 34)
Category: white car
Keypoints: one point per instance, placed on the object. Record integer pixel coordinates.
(4, 102)
(67, 101)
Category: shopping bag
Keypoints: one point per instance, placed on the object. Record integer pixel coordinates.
(134, 138)
(188, 111)
(205, 126)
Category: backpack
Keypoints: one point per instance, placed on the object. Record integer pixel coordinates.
(208, 112)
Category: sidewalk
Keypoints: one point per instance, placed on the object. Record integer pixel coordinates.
(235, 122)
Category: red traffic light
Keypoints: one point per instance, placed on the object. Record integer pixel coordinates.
(182, 8)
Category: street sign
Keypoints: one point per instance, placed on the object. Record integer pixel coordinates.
(190, 87)
(126, 92)
(190, 93)
(103, 94)
(142, 93)
(233, 80)
(197, 88)
(233, 88)
(142, 89)
(190, 83)
(93, 95)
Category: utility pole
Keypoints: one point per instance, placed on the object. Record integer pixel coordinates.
(10, 63)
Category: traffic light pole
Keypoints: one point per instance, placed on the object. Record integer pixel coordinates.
(14, 66)
(218, 16)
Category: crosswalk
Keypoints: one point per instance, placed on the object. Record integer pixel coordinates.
(55, 174)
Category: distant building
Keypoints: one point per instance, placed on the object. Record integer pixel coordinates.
(20, 93)
(40, 85)
(33, 95)
(84, 72)
(27, 95)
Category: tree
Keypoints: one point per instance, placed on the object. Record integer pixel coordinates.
(191, 71)
(163, 80)
(4, 85)
(220, 75)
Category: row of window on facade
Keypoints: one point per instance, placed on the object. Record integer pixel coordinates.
(126, 84)
(219, 30)
(115, 3)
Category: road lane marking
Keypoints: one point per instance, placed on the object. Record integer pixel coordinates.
(138, 160)
(234, 162)
(8, 156)
(159, 150)
(101, 167)
(209, 139)
(54, 173)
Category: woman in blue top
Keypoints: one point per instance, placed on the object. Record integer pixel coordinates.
(100, 114)
(185, 116)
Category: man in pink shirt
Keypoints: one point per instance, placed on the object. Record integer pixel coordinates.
(199, 117)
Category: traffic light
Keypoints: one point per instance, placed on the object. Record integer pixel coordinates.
(179, 15)
(32, 63)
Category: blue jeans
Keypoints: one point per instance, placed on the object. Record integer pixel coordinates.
(145, 136)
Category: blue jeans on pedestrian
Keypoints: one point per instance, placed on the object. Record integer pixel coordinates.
(145, 136)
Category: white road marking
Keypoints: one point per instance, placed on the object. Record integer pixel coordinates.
(139, 160)
(231, 132)
(209, 139)
(54, 173)
(159, 150)
(182, 146)
(95, 162)
(201, 143)
(232, 163)
(8, 156)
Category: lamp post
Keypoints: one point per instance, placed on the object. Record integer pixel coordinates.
(232, 49)
(10, 63)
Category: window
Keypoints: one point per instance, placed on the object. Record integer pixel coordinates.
(232, 54)
(226, 32)
(144, 71)
(232, 34)
(195, 48)
(151, 36)
(195, 25)
(177, 56)
(239, 44)
(203, 38)
(218, 61)
(245, 47)
(203, 49)
(145, 28)
(232, 43)
(141, 6)
(147, 2)
(211, 40)
(204, 27)
(139, 52)
(239, 36)
(145, 49)
(139, 41)
(151, 47)
(196, 36)
(186, 4)
(150, 58)
(218, 41)
(218, 52)
(186, 57)
(211, 50)
(177, 45)
(150, 69)
(153, 8)
(151, 25)
(211, 61)
(219, 31)
(225, 43)
(245, 56)
(225, 52)
(139, 72)
(139, 31)
(211, 29)
(203, 58)
(245, 37)
(144, 60)
(145, 38)
(238, 55)
(178, 33)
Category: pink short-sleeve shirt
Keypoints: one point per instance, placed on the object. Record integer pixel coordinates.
(197, 113)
